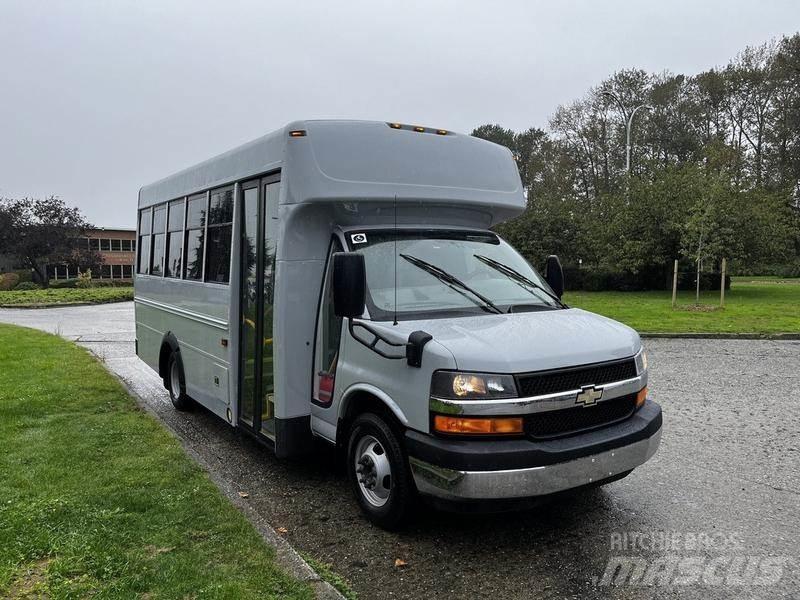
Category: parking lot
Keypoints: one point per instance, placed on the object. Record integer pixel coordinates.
(716, 511)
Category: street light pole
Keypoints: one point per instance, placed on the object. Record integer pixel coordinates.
(628, 124)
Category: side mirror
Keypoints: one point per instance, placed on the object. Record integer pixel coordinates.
(349, 284)
(554, 275)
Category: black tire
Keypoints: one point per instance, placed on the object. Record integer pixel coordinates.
(398, 503)
(178, 396)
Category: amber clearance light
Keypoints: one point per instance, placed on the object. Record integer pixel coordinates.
(641, 396)
(492, 426)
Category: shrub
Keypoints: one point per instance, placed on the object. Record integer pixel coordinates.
(24, 274)
(26, 285)
(84, 280)
(112, 283)
(8, 281)
(654, 277)
(59, 284)
(776, 270)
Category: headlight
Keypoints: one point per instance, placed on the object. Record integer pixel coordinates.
(641, 361)
(466, 386)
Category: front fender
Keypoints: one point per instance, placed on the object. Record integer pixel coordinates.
(354, 389)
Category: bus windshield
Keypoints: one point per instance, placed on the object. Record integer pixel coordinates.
(446, 273)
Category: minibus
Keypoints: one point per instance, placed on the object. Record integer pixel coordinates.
(340, 281)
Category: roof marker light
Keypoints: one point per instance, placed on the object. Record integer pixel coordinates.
(297, 133)
(441, 131)
(395, 125)
(419, 129)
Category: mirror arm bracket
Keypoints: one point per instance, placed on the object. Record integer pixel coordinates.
(413, 348)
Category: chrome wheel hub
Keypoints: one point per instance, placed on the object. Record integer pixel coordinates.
(373, 471)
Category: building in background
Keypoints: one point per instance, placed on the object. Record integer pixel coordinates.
(117, 248)
(8, 262)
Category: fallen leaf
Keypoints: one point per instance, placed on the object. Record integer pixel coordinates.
(400, 563)
(244, 495)
(282, 530)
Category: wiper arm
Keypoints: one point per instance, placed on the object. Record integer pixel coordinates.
(452, 281)
(517, 276)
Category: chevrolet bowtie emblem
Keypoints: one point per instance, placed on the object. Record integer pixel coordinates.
(589, 395)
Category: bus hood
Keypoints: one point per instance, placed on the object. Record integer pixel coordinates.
(532, 341)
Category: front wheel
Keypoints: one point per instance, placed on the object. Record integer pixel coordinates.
(378, 472)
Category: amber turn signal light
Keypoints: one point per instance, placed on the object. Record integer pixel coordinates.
(641, 396)
(462, 425)
(297, 133)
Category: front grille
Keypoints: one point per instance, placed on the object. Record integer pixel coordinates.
(556, 423)
(573, 378)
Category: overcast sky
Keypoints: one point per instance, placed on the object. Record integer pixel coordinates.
(100, 97)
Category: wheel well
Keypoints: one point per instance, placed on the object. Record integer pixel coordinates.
(361, 402)
(168, 345)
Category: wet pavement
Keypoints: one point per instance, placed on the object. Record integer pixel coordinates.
(715, 514)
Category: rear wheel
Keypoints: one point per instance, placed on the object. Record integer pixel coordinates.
(176, 383)
(378, 471)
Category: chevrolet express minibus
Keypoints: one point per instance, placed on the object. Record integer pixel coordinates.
(340, 280)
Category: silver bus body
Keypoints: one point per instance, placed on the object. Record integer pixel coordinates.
(247, 335)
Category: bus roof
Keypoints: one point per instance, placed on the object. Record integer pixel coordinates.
(337, 160)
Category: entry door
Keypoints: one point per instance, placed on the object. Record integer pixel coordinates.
(259, 208)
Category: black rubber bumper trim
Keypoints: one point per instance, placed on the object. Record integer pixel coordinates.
(497, 455)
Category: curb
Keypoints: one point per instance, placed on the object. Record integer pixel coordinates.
(40, 306)
(722, 336)
(286, 557)
(60, 305)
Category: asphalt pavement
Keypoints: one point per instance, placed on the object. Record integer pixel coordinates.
(715, 514)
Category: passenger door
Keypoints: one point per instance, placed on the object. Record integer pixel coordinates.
(259, 211)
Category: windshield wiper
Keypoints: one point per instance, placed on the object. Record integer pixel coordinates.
(453, 282)
(518, 277)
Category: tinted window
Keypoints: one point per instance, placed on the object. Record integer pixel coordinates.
(194, 254)
(144, 254)
(221, 207)
(158, 255)
(159, 218)
(218, 252)
(174, 254)
(105, 244)
(126, 245)
(116, 245)
(197, 212)
(175, 216)
(144, 221)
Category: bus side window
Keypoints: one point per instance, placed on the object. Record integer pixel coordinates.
(219, 229)
(145, 222)
(329, 333)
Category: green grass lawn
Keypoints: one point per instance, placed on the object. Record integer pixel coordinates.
(55, 297)
(97, 499)
(752, 305)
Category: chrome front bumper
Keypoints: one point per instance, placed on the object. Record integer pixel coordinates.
(449, 484)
